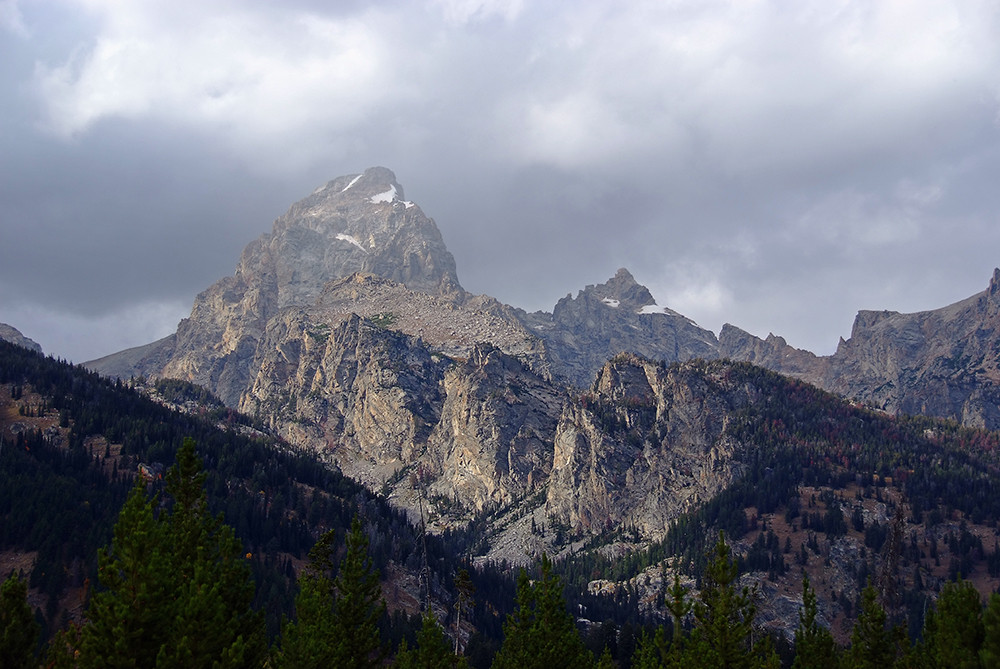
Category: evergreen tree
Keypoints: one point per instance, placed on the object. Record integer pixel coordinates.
(814, 645)
(213, 623)
(127, 622)
(176, 588)
(358, 605)
(308, 643)
(989, 653)
(954, 632)
(62, 649)
(679, 607)
(873, 645)
(466, 589)
(432, 652)
(724, 615)
(541, 633)
(18, 627)
(650, 651)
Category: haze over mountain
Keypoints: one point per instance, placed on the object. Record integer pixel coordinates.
(610, 427)
(355, 245)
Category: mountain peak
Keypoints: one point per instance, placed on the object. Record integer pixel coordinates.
(374, 184)
(354, 223)
(623, 289)
(14, 336)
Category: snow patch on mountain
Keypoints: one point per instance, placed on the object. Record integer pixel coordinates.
(353, 181)
(387, 196)
(352, 240)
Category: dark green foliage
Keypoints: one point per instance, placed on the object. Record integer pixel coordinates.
(127, 622)
(358, 605)
(18, 627)
(541, 633)
(954, 631)
(432, 652)
(724, 614)
(873, 643)
(989, 653)
(212, 584)
(308, 642)
(814, 645)
(722, 635)
(177, 589)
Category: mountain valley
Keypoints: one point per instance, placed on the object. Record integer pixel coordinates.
(613, 434)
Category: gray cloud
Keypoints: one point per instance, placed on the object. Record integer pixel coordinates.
(771, 165)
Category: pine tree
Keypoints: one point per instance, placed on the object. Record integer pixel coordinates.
(432, 652)
(954, 633)
(127, 622)
(213, 623)
(541, 633)
(308, 643)
(651, 650)
(176, 587)
(814, 645)
(358, 605)
(989, 653)
(18, 627)
(873, 645)
(679, 607)
(724, 617)
(466, 589)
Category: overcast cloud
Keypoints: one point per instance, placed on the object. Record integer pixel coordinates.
(775, 165)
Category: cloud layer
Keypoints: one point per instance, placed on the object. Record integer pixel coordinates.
(773, 165)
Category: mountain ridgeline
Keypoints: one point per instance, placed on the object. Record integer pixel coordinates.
(613, 434)
(346, 330)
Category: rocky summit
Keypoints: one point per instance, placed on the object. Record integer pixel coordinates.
(14, 336)
(614, 317)
(943, 363)
(347, 331)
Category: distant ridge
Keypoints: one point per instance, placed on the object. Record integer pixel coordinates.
(355, 245)
(14, 336)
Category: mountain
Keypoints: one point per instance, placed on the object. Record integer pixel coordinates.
(346, 331)
(14, 336)
(617, 316)
(356, 223)
(943, 363)
(626, 483)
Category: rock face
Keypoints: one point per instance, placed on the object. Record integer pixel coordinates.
(646, 444)
(347, 330)
(454, 438)
(943, 363)
(394, 415)
(614, 317)
(356, 223)
(14, 336)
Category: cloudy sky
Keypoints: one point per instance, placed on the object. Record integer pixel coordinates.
(775, 165)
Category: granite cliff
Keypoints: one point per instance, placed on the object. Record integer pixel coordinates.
(14, 336)
(943, 363)
(346, 329)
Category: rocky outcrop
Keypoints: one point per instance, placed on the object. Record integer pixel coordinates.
(14, 336)
(618, 316)
(645, 445)
(943, 363)
(442, 324)
(395, 416)
(356, 223)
